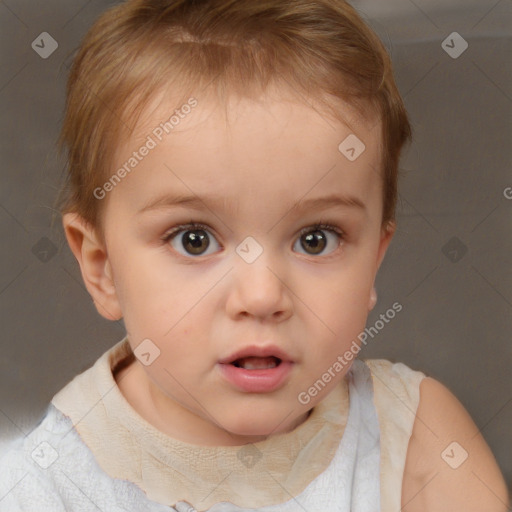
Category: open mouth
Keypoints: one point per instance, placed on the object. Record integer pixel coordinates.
(257, 363)
(256, 369)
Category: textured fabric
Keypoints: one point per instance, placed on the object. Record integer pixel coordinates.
(52, 469)
(351, 483)
(397, 396)
(126, 446)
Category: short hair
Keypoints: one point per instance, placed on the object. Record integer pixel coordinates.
(320, 49)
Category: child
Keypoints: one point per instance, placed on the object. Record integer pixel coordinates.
(232, 188)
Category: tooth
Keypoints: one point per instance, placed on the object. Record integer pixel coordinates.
(258, 363)
(250, 366)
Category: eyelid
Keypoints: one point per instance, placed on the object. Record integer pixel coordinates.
(192, 225)
(325, 226)
(321, 225)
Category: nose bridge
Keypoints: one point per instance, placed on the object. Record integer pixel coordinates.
(258, 281)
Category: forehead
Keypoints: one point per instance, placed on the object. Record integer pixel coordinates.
(274, 146)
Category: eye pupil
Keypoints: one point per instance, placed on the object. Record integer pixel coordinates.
(317, 242)
(196, 239)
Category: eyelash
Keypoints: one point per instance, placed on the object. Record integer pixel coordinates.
(323, 226)
(192, 225)
(184, 227)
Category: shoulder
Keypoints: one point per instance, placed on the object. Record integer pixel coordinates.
(388, 373)
(449, 465)
(24, 480)
(397, 395)
(53, 470)
(396, 398)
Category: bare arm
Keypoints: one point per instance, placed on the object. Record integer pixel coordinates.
(449, 466)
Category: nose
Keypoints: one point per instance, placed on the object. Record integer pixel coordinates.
(260, 289)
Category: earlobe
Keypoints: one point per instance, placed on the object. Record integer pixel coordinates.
(92, 257)
(385, 239)
(373, 299)
(386, 236)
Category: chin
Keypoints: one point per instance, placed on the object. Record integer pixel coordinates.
(251, 428)
(260, 425)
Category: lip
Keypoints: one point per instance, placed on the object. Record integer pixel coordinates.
(257, 381)
(258, 351)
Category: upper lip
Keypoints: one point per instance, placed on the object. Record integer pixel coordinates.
(257, 351)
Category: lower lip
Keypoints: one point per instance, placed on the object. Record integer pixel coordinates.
(257, 381)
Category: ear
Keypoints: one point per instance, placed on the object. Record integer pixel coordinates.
(387, 233)
(92, 257)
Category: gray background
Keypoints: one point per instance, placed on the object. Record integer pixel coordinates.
(457, 298)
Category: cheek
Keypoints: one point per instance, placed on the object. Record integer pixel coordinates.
(339, 294)
(143, 278)
(337, 309)
(343, 320)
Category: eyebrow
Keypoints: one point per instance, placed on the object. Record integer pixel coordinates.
(201, 203)
(321, 203)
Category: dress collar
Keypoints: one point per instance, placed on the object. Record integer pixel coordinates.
(168, 470)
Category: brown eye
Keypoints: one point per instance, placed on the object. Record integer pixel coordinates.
(315, 239)
(195, 242)
(194, 239)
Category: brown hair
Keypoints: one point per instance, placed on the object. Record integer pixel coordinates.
(318, 48)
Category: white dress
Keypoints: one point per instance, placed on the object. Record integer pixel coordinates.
(53, 469)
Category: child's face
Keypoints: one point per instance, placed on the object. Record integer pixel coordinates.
(200, 298)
